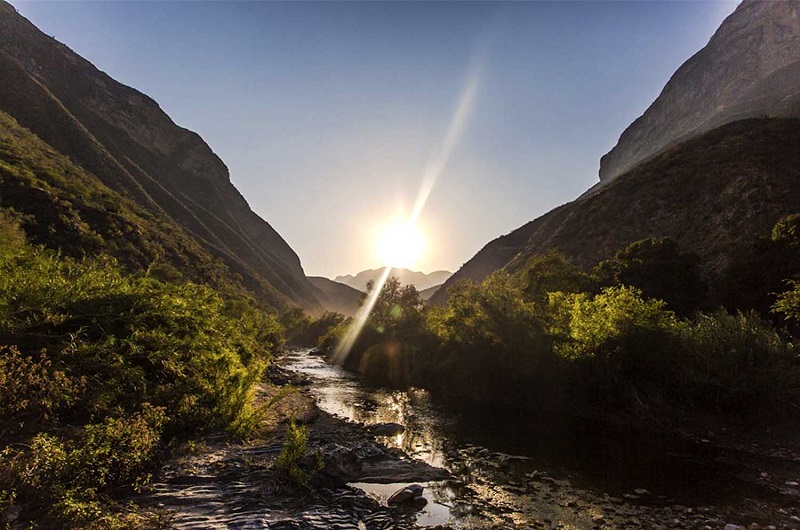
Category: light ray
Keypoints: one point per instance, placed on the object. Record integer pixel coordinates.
(343, 348)
(454, 133)
(431, 174)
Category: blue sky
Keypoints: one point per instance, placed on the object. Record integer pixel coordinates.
(328, 113)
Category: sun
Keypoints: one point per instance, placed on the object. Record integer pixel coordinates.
(400, 245)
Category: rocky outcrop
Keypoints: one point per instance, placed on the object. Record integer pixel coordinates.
(124, 138)
(750, 68)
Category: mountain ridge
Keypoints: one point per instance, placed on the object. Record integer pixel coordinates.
(713, 195)
(125, 139)
(420, 280)
(749, 68)
(708, 131)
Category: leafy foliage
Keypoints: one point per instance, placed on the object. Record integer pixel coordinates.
(302, 329)
(101, 368)
(758, 274)
(63, 206)
(549, 335)
(552, 273)
(294, 449)
(660, 270)
(737, 362)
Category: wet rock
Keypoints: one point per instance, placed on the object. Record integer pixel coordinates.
(339, 465)
(387, 429)
(406, 495)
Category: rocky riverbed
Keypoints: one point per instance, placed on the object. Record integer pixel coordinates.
(365, 444)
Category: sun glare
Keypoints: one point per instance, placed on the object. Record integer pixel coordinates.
(400, 245)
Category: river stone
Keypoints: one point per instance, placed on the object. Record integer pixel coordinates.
(387, 429)
(404, 495)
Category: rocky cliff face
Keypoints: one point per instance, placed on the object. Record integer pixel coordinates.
(750, 68)
(124, 138)
(703, 166)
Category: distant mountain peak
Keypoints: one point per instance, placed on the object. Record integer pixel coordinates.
(420, 280)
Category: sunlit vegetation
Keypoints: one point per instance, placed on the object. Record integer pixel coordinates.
(305, 330)
(393, 333)
(64, 207)
(638, 335)
(100, 369)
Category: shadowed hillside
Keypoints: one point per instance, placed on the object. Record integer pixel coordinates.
(711, 195)
(337, 296)
(123, 138)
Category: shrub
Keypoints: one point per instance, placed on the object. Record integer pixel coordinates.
(788, 303)
(660, 270)
(736, 361)
(294, 449)
(102, 369)
(172, 345)
(623, 348)
(67, 479)
(494, 343)
(552, 273)
(33, 388)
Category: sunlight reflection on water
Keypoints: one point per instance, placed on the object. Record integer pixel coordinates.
(339, 392)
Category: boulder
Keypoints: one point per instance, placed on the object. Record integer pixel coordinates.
(387, 429)
(407, 495)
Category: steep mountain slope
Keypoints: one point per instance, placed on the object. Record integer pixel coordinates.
(710, 194)
(749, 69)
(125, 140)
(337, 296)
(420, 280)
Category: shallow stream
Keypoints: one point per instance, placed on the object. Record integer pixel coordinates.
(522, 467)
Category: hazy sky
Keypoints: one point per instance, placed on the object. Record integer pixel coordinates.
(328, 114)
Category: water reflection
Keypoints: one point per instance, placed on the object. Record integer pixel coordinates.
(339, 392)
(500, 458)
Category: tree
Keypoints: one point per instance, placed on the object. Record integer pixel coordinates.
(397, 313)
(551, 273)
(759, 272)
(660, 270)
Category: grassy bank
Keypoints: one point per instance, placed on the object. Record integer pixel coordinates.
(100, 370)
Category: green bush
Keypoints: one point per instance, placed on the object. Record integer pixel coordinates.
(660, 270)
(294, 448)
(171, 345)
(303, 330)
(67, 479)
(738, 361)
(623, 349)
(493, 343)
(32, 388)
(102, 370)
(758, 273)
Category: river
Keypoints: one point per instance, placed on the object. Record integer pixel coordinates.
(529, 467)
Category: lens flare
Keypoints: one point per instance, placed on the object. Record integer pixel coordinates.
(431, 174)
